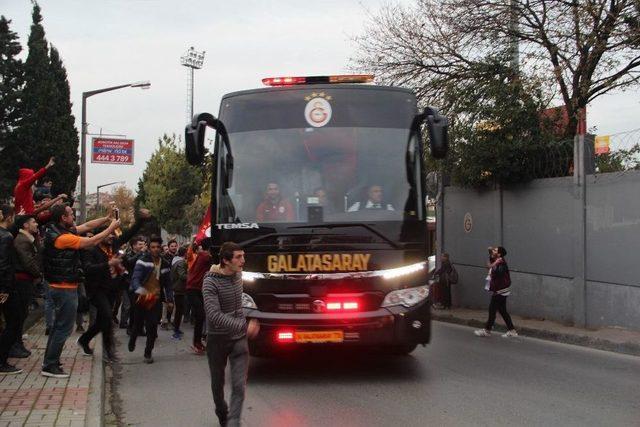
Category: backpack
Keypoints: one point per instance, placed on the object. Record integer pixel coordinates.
(453, 276)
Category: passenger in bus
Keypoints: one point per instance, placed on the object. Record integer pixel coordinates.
(274, 208)
(321, 194)
(375, 200)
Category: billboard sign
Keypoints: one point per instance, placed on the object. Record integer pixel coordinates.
(602, 143)
(112, 151)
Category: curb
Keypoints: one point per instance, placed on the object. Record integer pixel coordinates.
(580, 340)
(95, 403)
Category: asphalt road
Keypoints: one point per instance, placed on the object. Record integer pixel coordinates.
(457, 380)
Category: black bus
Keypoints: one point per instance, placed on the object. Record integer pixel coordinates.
(322, 182)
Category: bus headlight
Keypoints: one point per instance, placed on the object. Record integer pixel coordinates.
(406, 297)
(393, 273)
(251, 276)
(248, 302)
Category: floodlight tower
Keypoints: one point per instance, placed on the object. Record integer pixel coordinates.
(194, 61)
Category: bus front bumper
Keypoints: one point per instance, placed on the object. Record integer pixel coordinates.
(397, 325)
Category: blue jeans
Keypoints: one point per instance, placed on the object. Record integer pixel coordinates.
(48, 306)
(65, 305)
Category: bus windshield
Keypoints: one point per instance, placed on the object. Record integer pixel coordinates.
(335, 173)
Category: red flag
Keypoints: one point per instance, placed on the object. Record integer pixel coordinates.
(205, 226)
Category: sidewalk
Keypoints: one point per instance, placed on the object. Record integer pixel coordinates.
(610, 339)
(33, 400)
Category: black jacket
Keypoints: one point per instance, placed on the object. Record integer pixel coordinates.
(7, 261)
(95, 263)
(28, 258)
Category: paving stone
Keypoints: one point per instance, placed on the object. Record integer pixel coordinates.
(30, 399)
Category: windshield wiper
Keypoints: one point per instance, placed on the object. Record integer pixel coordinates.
(350, 224)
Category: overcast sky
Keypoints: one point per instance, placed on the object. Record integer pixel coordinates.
(110, 42)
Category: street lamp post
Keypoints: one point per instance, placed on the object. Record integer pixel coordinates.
(83, 141)
(98, 192)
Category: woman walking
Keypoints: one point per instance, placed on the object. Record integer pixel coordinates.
(500, 287)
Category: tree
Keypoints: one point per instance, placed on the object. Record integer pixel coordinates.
(619, 161)
(11, 84)
(499, 135)
(120, 197)
(583, 49)
(196, 211)
(47, 128)
(66, 142)
(168, 184)
(124, 200)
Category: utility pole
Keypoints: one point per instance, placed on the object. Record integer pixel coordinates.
(83, 141)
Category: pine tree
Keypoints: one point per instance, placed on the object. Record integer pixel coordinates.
(66, 171)
(11, 84)
(48, 128)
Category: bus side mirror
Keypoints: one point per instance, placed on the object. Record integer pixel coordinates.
(194, 143)
(438, 128)
(194, 135)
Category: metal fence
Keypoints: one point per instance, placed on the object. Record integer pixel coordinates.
(619, 152)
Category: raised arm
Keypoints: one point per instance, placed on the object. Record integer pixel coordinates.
(87, 242)
(50, 203)
(143, 215)
(90, 225)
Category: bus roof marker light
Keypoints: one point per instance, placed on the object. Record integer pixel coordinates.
(310, 80)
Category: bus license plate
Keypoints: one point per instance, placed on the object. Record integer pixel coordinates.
(319, 336)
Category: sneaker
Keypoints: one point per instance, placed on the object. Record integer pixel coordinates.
(109, 357)
(8, 369)
(132, 345)
(176, 336)
(198, 349)
(17, 352)
(54, 372)
(86, 350)
(482, 333)
(222, 419)
(510, 333)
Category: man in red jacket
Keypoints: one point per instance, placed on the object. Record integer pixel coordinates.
(195, 276)
(23, 192)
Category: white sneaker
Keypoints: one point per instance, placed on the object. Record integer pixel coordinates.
(482, 333)
(510, 333)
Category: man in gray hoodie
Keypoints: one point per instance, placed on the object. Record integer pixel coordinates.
(227, 331)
